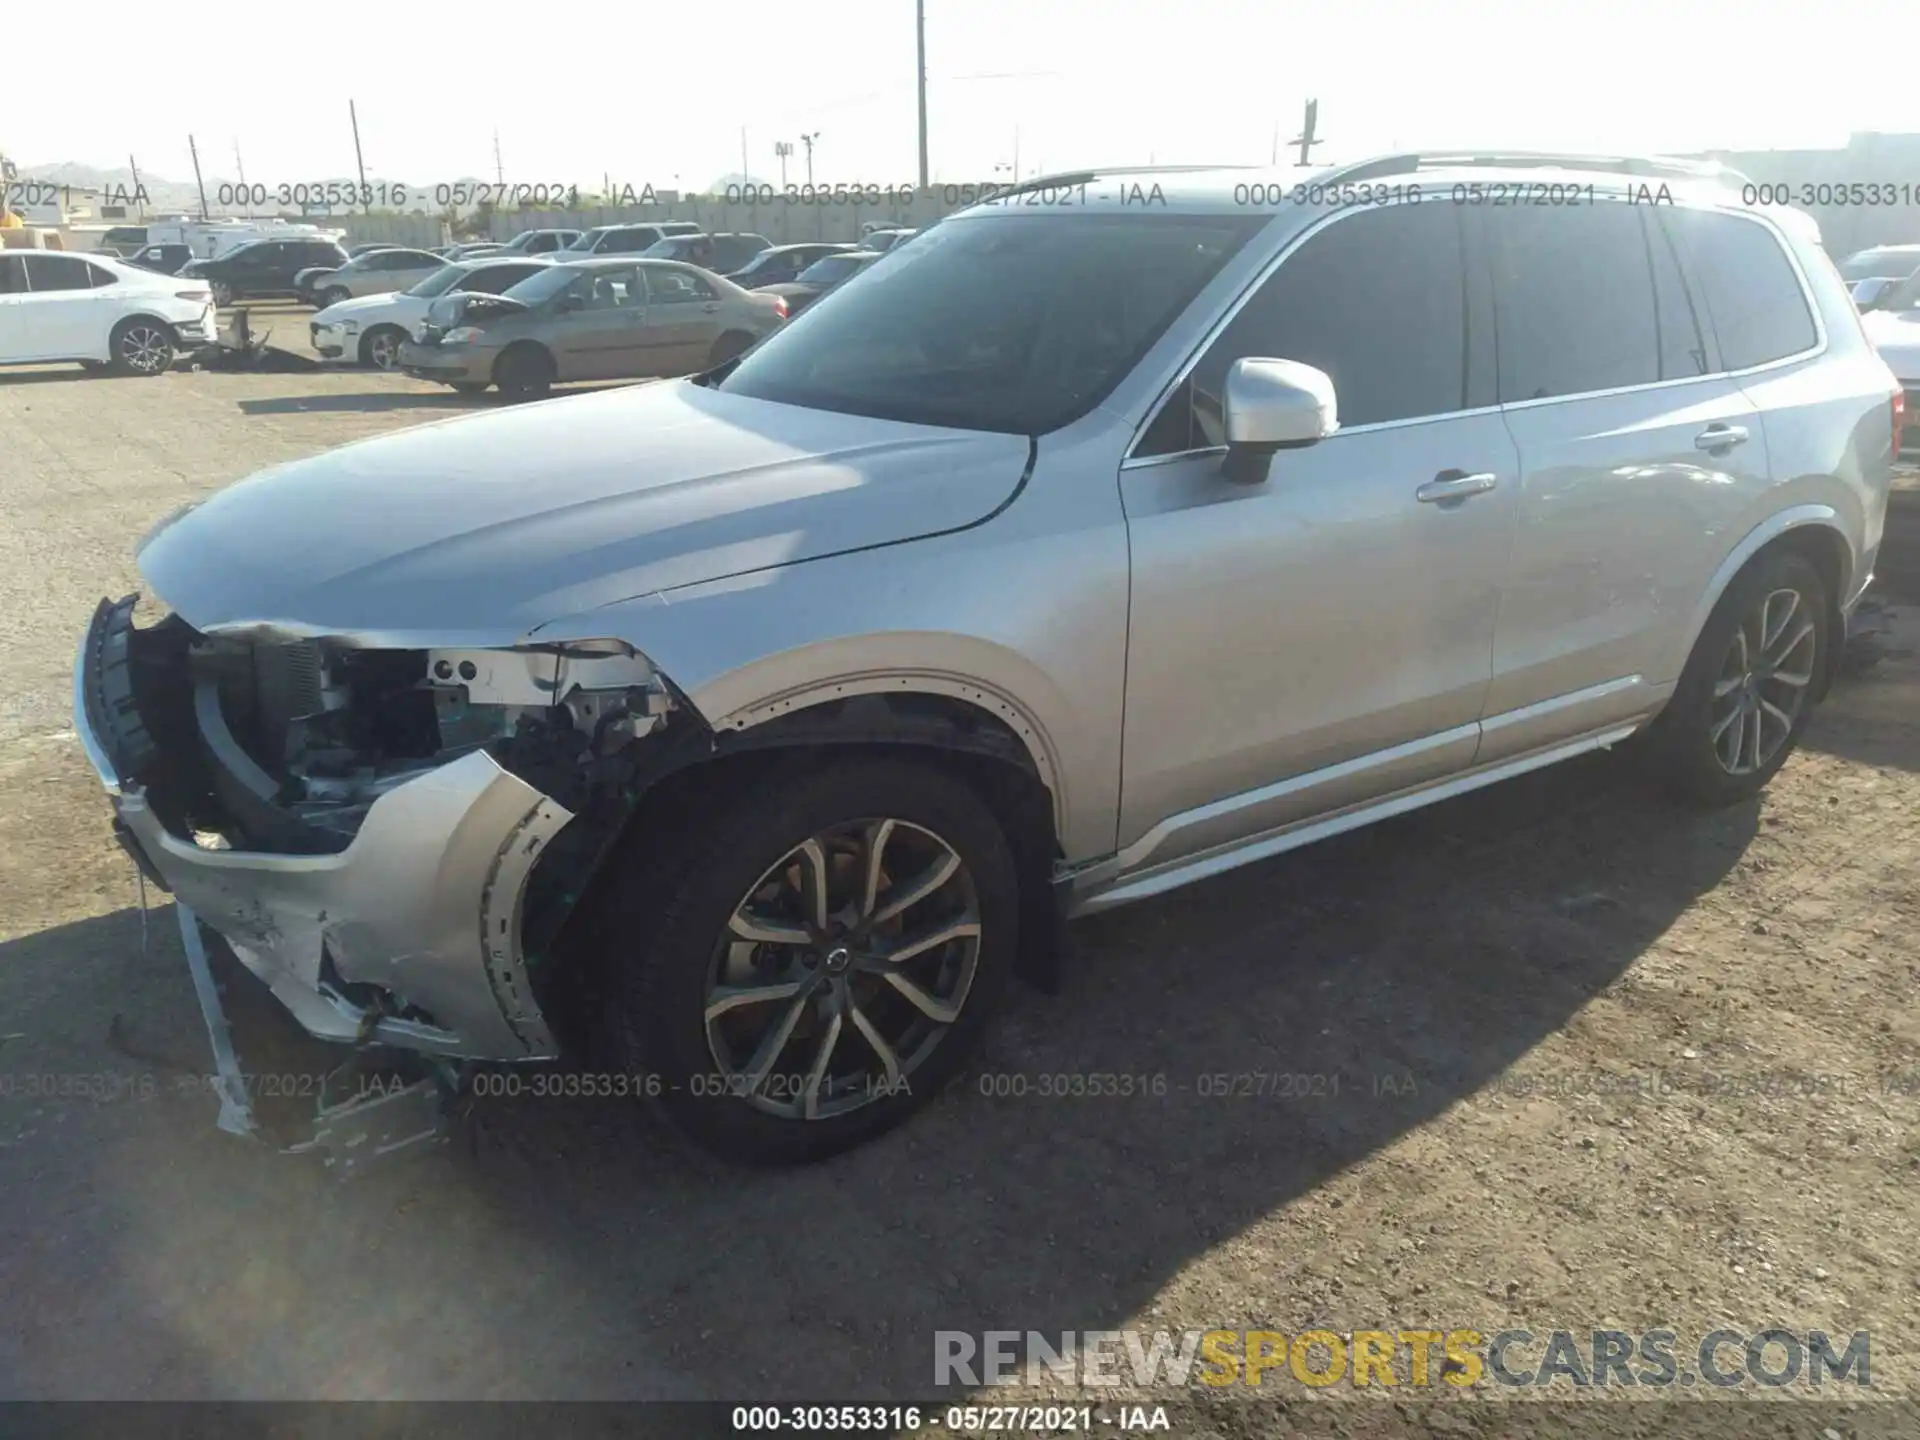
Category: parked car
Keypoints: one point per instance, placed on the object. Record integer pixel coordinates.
(540, 242)
(822, 276)
(626, 239)
(354, 252)
(1893, 325)
(378, 272)
(1075, 555)
(265, 267)
(718, 253)
(881, 241)
(1895, 262)
(98, 310)
(123, 240)
(370, 329)
(163, 259)
(589, 320)
(470, 250)
(782, 263)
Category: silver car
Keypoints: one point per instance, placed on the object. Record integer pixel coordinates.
(377, 272)
(758, 727)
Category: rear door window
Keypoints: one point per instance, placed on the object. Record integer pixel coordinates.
(1753, 296)
(1574, 300)
(58, 272)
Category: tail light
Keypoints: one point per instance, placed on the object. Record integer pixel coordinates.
(193, 294)
(780, 306)
(1899, 419)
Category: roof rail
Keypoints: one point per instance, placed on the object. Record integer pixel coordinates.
(1654, 166)
(1066, 179)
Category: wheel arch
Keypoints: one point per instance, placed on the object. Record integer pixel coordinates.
(1813, 531)
(522, 346)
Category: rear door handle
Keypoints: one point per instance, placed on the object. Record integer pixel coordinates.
(1453, 486)
(1720, 437)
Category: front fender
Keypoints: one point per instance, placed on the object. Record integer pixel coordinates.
(1033, 634)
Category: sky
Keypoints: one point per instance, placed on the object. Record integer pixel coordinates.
(646, 95)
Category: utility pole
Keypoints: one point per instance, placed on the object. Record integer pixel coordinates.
(499, 170)
(135, 168)
(1306, 139)
(783, 149)
(199, 184)
(241, 166)
(920, 72)
(746, 174)
(359, 161)
(808, 140)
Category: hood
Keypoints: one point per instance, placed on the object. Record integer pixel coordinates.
(358, 309)
(1896, 335)
(476, 530)
(471, 307)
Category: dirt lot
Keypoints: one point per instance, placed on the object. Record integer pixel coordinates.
(1758, 964)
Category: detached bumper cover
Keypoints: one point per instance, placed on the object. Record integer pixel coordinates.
(424, 903)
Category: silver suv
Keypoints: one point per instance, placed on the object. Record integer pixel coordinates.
(756, 728)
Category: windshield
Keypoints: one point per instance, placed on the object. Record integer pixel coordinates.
(439, 282)
(1014, 324)
(588, 240)
(1869, 264)
(550, 281)
(674, 247)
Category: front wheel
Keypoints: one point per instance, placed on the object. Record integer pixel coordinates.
(469, 387)
(222, 294)
(333, 296)
(1747, 691)
(380, 347)
(815, 962)
(524, 372)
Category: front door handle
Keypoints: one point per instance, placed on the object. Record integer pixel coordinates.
(1720, 437)
(1453, 486)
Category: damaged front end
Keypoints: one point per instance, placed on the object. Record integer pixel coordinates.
(390, 839)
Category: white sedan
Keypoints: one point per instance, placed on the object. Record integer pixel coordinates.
(369, 330)
(99, 311)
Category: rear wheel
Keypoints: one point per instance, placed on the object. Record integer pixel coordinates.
(333, 295)
(141, 345)
(222, 293)
(816, 960)
(469, 387)
(1746, 694)
(380, 347)
(523, 372)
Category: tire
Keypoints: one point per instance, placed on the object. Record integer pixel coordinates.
(333, 295)
(141, 345)
(669, 950)
(469, 387)
(1732, 723)
(380, 347)
(223, 295)
(727, 347)
(523, 372)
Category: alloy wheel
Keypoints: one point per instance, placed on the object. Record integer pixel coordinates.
(145, 350)
(842, 969)
(383, 348)
(1763, 682)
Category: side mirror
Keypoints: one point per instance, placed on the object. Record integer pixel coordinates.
(1273, 405)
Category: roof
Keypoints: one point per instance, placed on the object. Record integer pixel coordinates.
(1205, 190)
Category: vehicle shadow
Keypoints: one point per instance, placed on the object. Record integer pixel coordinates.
(366, 401)
(569, 1248)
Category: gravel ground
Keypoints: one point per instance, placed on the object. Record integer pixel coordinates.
(1450, 974)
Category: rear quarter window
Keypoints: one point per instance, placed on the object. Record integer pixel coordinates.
(1753, 295)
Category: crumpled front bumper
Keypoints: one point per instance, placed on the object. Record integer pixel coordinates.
(424, 903)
